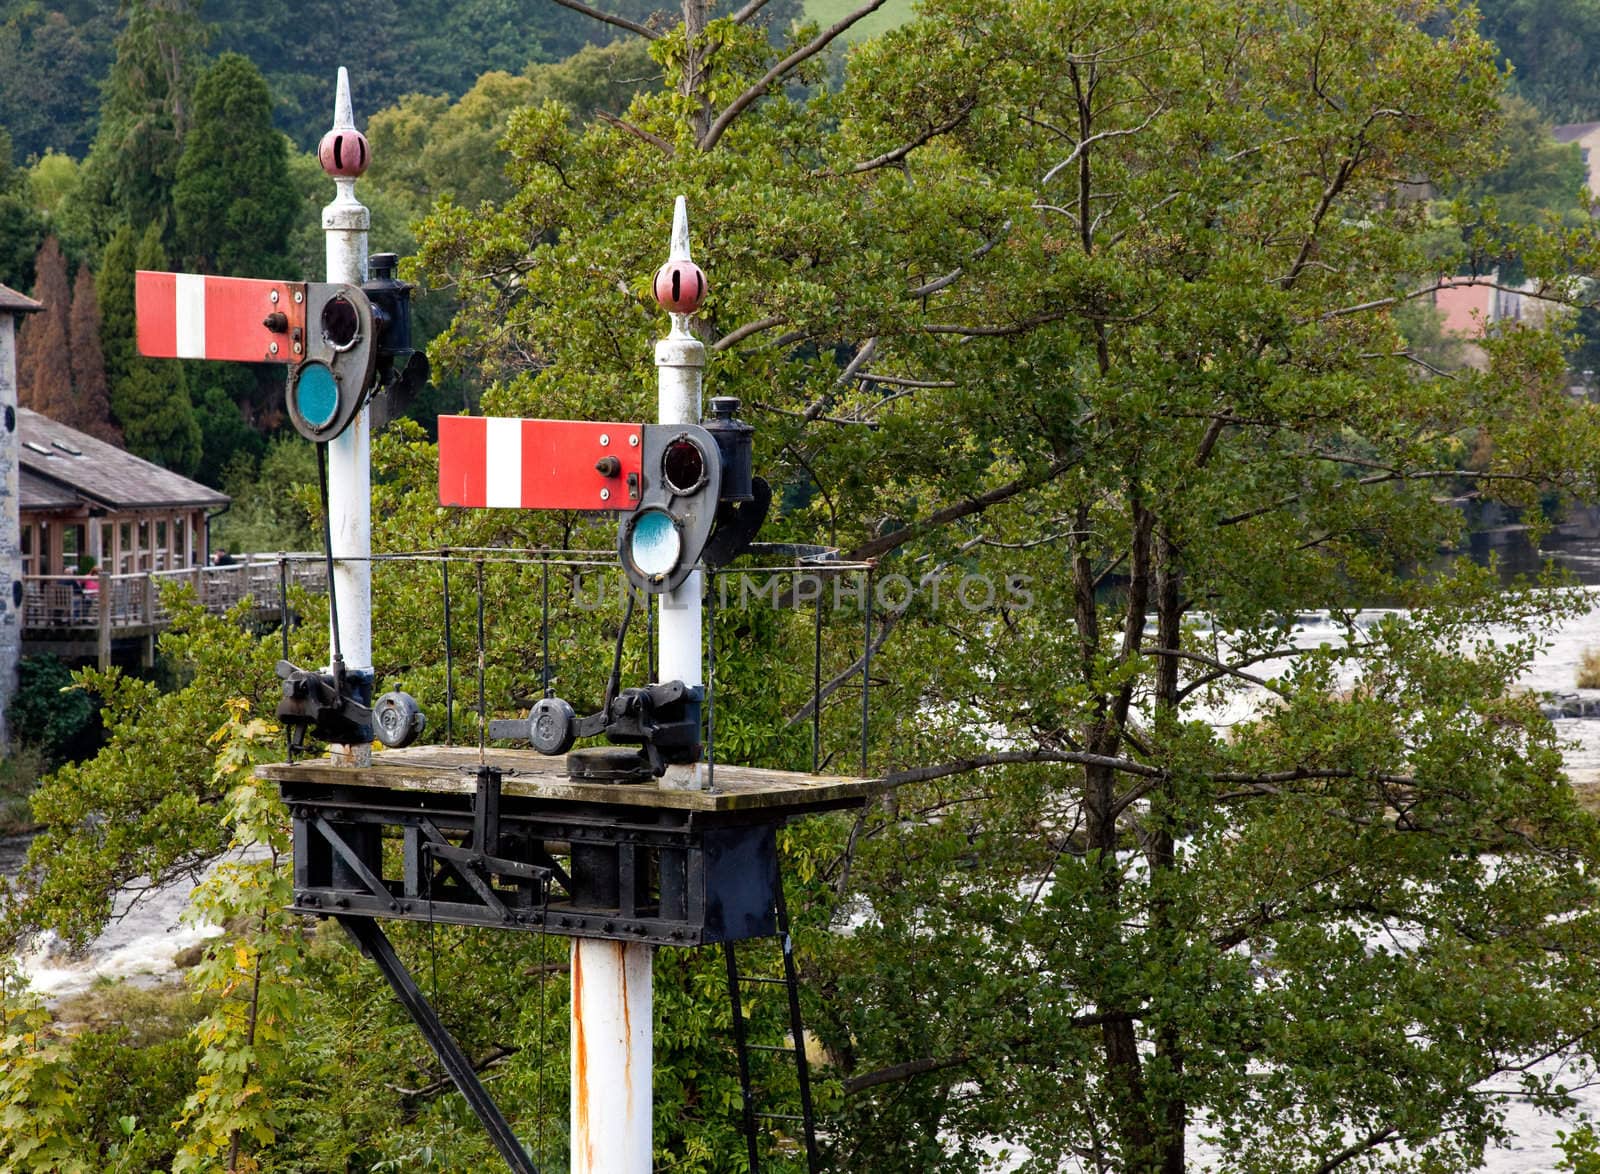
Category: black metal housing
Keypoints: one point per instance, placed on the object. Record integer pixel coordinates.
(399, 363)
(664, 876)
(734, 442)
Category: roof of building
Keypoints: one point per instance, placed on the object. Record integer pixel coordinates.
(17, 303)
(1574, 131)
(62, 466)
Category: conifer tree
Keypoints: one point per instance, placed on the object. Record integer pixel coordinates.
(44, 365)
(115, 287)
(91, 402)
(144, 116)
(151, 400)
(234, 202)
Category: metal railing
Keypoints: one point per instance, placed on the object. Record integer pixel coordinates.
(134, 601)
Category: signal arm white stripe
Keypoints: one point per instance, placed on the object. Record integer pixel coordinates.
(191, 316)
(503, 456)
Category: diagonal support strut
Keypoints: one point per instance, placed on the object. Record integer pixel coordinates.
(375, 944)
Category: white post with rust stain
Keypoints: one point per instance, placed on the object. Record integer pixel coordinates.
(612, 999)
(680, 365)
(345, 223)
(613, 1054)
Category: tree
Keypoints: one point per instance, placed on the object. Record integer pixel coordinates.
(52, 54)
(1102, 296)
(44, 353)
(233, 198)
(21, 230)
(1076, 321)
(151, 399)
(117, 325)
(145, 113)
(91, 398)
(1551, 45)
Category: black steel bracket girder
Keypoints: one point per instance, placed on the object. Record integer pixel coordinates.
(477, 904)
(445, 883)
(375, 944)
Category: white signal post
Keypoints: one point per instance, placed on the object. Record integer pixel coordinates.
(345, 223)
(612, 994)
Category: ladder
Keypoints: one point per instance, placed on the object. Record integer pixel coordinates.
(753, 1116)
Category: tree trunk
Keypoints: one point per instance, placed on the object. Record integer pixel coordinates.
(1173, 1109)
(1119, 1041)
(695, 52)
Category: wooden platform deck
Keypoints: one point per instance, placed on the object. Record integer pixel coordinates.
(450, 770)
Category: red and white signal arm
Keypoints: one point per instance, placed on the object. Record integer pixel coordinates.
(491, 462)
(240, 319)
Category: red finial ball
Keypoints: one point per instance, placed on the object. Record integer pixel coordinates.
(343, 153)
(680, 287)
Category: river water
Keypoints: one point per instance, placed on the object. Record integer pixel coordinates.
(142, 941)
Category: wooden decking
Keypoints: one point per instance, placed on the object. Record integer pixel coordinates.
(448, 770)
(79, 616)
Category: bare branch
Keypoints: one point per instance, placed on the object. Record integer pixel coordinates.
(861, 358)
(748, 11)
(900, 381)
(854, 670)
(1442, 283)
(620, 22)
(1366, 1144)
(924, 774)
(807, 51)
(950, 278)
(1222, 669)
(638, 132)
(997, 331)
(895, 156)
(739, 334)
(903, 1071)
(1303, 773)
(1092, 139)
(894, 1073)
(777, 411)
(445, 1084)
(883, 543)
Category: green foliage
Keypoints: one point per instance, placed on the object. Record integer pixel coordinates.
(157, 419)
(405, 46)
(151, 400)
(40, 1120)
(274, 500)
(144, 115)
(20, 771)
(232, 195)
(52, 53)
(595, 78)
(134, 1064)
(1538, 176)
(50, 711)
(1101, 302)
(21, 226)
(117, 324)
(1551, 43)
(51, 179)
(146, 805)
(1179, 407)
(225, 435)
(252, 975)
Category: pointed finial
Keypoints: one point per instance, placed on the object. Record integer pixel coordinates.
(680, 286)
(680, 231)
(343, 117)
(343, 152)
